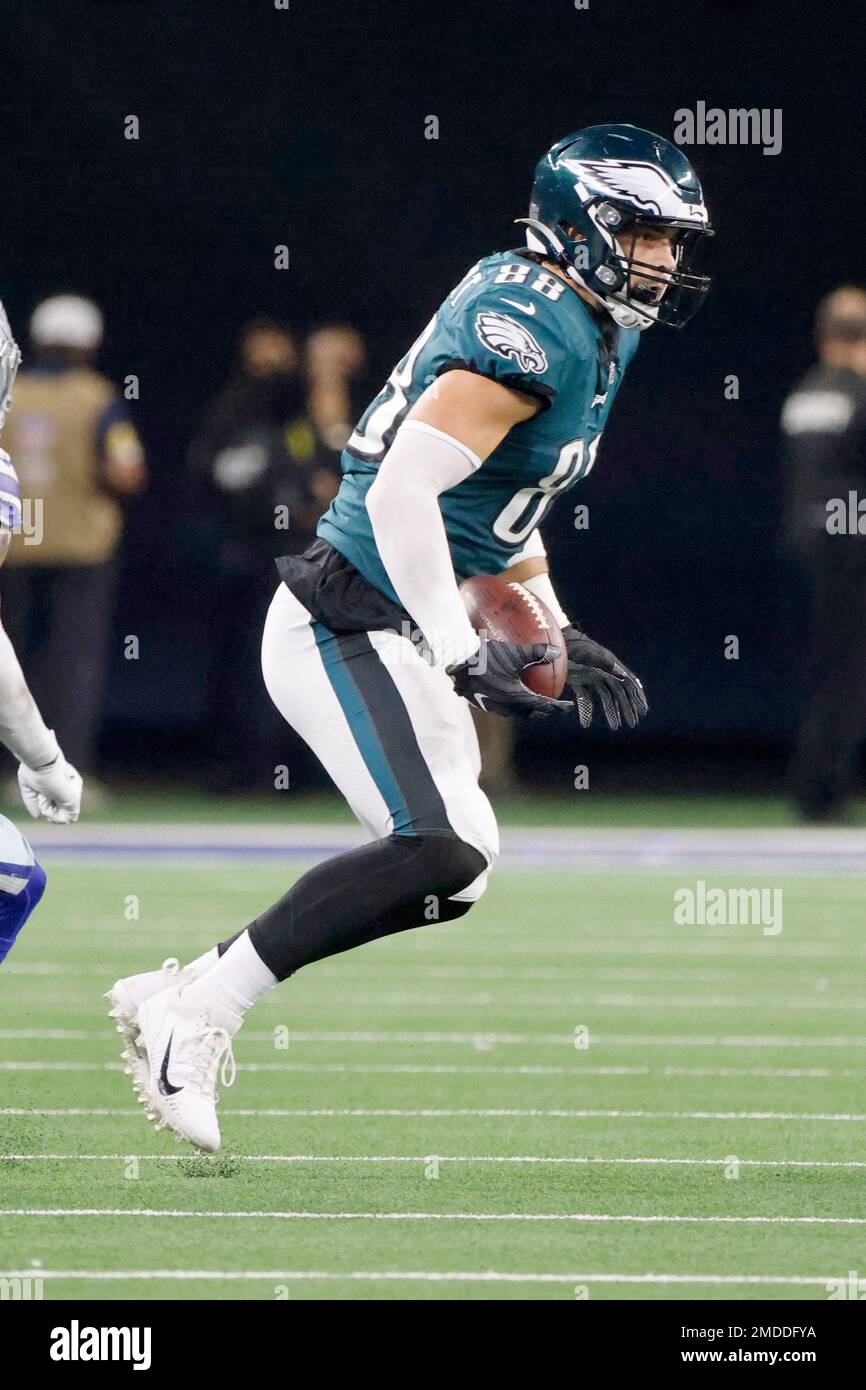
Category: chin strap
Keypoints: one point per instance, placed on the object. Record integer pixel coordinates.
(549, 244)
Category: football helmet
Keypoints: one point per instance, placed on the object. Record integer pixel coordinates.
(593, 188)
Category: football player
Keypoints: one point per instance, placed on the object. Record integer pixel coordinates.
(497, 408)
(50, 786)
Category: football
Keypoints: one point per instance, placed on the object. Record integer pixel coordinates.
(508, 612)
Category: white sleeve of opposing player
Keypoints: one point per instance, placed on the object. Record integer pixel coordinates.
(22, 727)
(541, 584)
(403, 505)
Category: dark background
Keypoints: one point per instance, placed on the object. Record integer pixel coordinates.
(306, 127)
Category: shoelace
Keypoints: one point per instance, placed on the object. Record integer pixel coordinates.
(216, 1058)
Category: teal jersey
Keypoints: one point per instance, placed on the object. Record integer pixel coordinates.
(513, 321)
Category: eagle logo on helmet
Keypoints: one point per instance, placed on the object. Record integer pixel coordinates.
(644, 185)
(510, 339)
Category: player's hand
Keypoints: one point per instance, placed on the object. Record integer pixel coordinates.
(491, 678)
(593, 671)
(53, 791)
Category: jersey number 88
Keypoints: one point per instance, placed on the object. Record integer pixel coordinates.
(573, 463)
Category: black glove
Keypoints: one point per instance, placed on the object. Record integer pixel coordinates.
(593, 670)
(491, 679)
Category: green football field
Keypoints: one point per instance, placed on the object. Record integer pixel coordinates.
(565, 1095)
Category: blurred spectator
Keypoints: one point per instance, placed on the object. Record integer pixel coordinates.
(262, 478)
(824, 426)
(496, 746)
(77, 456)
(333, 358)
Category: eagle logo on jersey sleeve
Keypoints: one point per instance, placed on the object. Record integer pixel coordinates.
(510, 339)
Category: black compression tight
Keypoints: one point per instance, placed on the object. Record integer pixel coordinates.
(389, 886)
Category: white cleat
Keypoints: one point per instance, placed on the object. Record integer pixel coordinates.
(185, 1049)
(125, 997)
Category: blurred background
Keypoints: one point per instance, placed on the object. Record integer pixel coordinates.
(260, 127)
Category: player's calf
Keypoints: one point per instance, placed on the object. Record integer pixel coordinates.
(389, 886)
(184, 1034)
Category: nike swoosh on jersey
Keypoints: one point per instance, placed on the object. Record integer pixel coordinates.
(527, 308)
(165, 1085)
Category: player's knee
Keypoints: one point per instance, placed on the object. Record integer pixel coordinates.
(464, 870)
(449, 863)
(485, 840)
(474, 890)
(477, 827)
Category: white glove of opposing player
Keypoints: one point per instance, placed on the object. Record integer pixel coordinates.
(53, 791)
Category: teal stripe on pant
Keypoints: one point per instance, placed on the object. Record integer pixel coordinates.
(362, 726)
(382, 727)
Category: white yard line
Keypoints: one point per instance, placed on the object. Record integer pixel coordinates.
(491, 1113)
(488, 1276)
(576, 1217)
(397, 971)
(440, 1158)
(585, 949)
(341, 1069)
(372, 999)
(411, 1069)
(502, 1113)
(485, 1040)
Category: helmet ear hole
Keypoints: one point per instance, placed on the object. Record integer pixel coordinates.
(610, 216)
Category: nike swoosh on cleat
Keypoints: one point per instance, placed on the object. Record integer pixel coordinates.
(165, 1085)
(527, 308)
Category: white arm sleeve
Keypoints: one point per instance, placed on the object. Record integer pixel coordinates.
(403, 505)
(22, 728)
(540, 584)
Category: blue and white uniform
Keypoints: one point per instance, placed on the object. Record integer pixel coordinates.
(22, 882)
